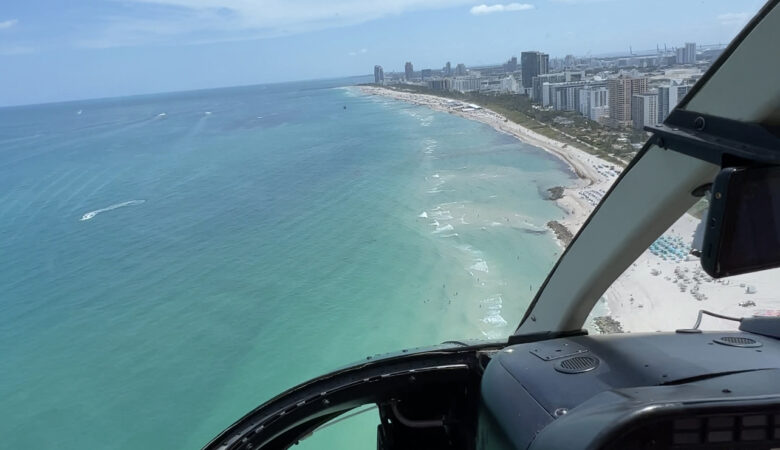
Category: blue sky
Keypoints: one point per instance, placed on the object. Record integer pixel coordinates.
(54, 50)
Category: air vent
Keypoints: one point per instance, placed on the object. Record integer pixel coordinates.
(578, 364)
(737, 341)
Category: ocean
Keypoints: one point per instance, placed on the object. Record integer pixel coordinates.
(171, 261)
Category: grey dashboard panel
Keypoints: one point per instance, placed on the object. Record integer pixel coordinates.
(608, 418)
(518, 383)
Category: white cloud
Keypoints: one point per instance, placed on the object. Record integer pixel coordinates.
(201, 21)
(6, 24)
(733, 18)
(358, 52)
(485, 9)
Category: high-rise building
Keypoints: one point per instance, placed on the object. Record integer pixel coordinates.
(538, 82)
(680, 55)
(409, 71)
(533, 64)
(460, 70)
(511, 65)
(621, 90)
(426, 74)
(440, 84)
(668, 97)
(564, 96)
(690, 53)
(594, 101)
(379, 75)
(644, 109)
(466, 84)
(447, 69)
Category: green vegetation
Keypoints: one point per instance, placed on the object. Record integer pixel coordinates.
(614, 145)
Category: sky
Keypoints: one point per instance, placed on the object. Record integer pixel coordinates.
(54, 50)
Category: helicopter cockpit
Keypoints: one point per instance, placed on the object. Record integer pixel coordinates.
(551, 385)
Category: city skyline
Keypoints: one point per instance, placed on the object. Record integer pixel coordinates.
(56, 52)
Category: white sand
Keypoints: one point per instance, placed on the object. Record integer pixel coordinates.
(660, 305)
(639, 300)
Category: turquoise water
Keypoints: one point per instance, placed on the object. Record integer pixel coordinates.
(240, 241)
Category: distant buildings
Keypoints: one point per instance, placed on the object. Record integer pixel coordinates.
(621, 91)
(615, 91)
(537, 84)
(690, 53)
(687, 54)
(594, 102)
(466, 84)
(563, 96)
(644, 110)
(532, 65)
(668, 97)
(440, 84)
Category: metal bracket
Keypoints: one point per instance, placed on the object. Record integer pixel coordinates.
(710, 138)
(550, 350)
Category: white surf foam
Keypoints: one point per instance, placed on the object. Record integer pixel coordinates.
(423, 215)
(491, 308)
(447, 227)
(443, 215)
(480, 265)
(94, 213)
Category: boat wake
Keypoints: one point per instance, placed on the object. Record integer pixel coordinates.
(94, 213)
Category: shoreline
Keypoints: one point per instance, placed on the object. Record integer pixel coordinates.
(657, 292)
(577, 200)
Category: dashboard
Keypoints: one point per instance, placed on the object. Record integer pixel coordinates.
(634, 391)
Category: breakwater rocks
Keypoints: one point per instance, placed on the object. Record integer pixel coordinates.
(555, 192)
(561, 232)
(607, 325)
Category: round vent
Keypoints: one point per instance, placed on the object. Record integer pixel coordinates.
(578, 364)
(737, 341)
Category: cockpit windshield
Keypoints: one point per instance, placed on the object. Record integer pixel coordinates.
(206, 202)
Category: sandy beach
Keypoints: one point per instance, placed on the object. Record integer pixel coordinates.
(664, 288)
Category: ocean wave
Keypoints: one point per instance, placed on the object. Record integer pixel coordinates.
(491, 308)
(423, 215)
(92, 214)
(443, 215)
(533, 228)
(447, 227)
(480, 265)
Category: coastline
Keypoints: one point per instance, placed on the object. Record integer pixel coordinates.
(657, 292)
(594, 175)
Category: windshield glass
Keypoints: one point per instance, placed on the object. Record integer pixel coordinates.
(205, 203)
(664, 289)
